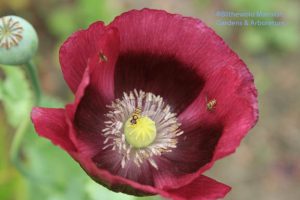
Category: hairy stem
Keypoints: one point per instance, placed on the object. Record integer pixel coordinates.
(32, 73)
(23, 126)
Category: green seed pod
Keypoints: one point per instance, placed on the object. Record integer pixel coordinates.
(18, 40)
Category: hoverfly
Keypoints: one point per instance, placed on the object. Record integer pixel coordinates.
(210, 105)
(135, 115)
(102, 57)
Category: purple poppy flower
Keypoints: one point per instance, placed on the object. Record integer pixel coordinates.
(158, 99)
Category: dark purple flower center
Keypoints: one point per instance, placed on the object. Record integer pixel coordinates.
(161, 75)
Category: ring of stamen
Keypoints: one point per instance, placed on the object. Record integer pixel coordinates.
(139, 127)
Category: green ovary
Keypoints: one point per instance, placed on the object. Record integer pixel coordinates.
(141, 133)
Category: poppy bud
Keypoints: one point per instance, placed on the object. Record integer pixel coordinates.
(18, 40)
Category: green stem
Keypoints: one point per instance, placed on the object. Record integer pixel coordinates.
(32, 73)
(23, 127)
(16, 143)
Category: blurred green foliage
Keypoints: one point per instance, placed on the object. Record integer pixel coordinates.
(80, 14)
(258, 39)
(16, 98)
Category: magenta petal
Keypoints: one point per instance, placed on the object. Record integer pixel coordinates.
(76, 50)
(154, 45)
(194, 150)
(162, 75)
(102, 65)
(202, 188)
(236, 111)
(87, 142)
(95, 91)
(51, 124)
(111, 161)
(236, 108)
(85, 82)
(152, 39)
(154, 58)
(112, 181)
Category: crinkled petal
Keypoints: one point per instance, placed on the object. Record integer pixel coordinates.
(51, 124)
(112, 181)
(76, 50)
(235, 110)
(111, 161)
(102, 65)
(194, 150)
(95, 91)
(85, 137)
(202, 188)
(223, 76)
(159, 53)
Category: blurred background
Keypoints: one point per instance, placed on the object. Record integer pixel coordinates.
(265, 167)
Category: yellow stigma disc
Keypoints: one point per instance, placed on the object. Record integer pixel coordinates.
(140, 132)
